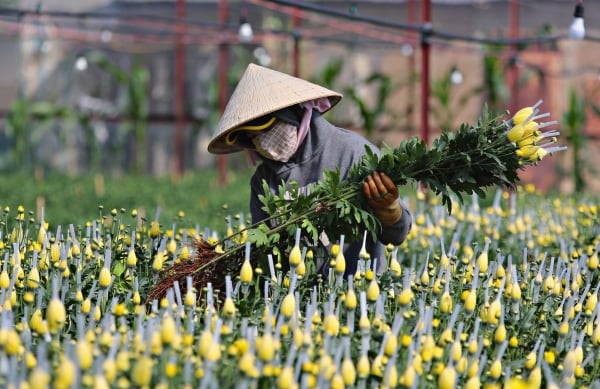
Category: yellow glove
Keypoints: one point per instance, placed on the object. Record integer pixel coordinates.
(382, 196)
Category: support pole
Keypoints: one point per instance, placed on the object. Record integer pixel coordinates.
(411, 17)
(223, 82)
(296, 48)
(513, 71)
(425, 48)
(179, 99)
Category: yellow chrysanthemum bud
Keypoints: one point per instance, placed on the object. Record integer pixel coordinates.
(109, 368)
(447, 378)
(56, 315)
(363, 367)
(131, 258)
(340, 263)
(39, 379)
(33, 278)
(348, 372)
(391, 344)
(246, 272)
(286, 378)
(168, 329)
(496, 369)
(159, 259)
(471, 301)
(154, 230)
(295, 256)
(534, 381)
(592, 261)
(141, 375)
(229, 308)
(189, 300)
(522, 115)
(331, 324)
(104, 278)
(405, 297)
(373, 290)
(516, 133)
(351, 300)
(473, 383)
(500, 334)
(483, 261)
(11, 341)
(84, 354)
(494, 312)
(288, 305)
(266, 349)
(65, 374)
(446, 303)
(4, 279)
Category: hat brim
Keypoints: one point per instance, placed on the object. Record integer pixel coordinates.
(259, 92)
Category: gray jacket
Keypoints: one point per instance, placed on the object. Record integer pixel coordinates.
(326, 147)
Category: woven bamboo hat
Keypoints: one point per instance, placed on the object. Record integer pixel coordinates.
(259, 92)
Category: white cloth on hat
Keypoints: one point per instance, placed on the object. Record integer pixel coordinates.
(321, 104)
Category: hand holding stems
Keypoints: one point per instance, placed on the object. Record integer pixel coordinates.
(382, 196)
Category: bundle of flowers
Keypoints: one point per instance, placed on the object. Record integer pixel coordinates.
(488, 153)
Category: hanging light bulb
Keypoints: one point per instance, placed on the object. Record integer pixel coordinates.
(406, 50)
(245, 32)
(456, 77)
(576, 29)
(81, 63)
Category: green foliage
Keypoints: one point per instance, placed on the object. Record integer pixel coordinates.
(371, 111)
(26, 123)
(442, 92)
(574, 120)
(136, 82)
(66, 199)
(497, 92)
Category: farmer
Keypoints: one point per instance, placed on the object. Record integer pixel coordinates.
(278, 119)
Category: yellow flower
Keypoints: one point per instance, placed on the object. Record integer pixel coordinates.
(39, 378)
(266, 347)
(447, 378)
(286, 378)
(373, 290)
(446, 303)
(516, 133)
(246, 272)
(229, 308)
(56, 315)
(141, 375)
(104, 278)
(523, 114)
(65, 374)
(288, 305)
(331, 324)
(348, 372)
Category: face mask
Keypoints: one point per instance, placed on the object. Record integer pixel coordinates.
(279, 143)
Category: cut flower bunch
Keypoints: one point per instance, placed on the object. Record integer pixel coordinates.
(485, 154)
(488, 153)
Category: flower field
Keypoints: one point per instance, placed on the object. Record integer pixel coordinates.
(501, 295)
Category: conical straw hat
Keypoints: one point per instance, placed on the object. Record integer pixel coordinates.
(262, 91)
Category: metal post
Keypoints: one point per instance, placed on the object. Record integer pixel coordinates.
(179, 98)
(426, 21)
(412, 39)
(513, 72)
(296, 48)
(223, 82)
